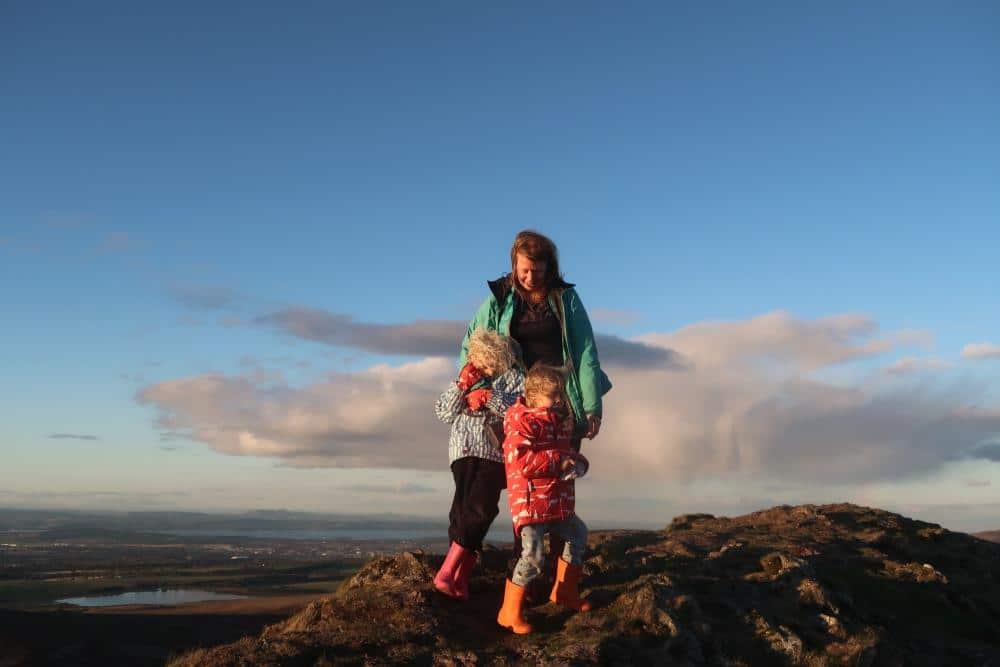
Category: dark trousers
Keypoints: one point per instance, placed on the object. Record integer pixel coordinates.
(478, 483)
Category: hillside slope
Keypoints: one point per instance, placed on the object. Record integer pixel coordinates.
(806, 585)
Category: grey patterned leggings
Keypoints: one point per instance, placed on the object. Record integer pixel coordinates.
(532, 560)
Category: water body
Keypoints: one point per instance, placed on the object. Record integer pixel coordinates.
(497, 534)
(168, 597)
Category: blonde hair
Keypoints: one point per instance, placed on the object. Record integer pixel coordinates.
(544, 380)
(491, 349)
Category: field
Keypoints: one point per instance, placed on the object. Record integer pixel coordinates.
(37, 568)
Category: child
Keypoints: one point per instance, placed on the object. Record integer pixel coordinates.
(474, 405)
(541, 466)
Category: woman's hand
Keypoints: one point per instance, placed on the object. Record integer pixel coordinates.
(593, 427)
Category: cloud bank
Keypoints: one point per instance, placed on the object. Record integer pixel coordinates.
(429, 338)
(751, 396)
(380, 418)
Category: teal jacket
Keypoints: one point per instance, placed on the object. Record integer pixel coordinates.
(586, 383)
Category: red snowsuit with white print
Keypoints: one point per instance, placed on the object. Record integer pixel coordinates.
(535, 444)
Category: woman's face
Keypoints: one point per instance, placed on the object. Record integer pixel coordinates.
(529, 273)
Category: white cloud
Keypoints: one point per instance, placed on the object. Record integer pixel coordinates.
(908, 365)
(382, 417)
(750, 399)
(981, 351)
(778, 338)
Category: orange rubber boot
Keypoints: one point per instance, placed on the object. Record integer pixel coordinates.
(510, 613)
(565, 590)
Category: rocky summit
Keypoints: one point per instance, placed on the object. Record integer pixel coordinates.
(805, 585)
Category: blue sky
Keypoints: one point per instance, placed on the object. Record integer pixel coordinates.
(173, 175)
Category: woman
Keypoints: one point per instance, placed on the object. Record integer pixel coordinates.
(544, 315)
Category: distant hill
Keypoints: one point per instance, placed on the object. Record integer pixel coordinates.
(991, 535)
(807, 585)
(59, 524)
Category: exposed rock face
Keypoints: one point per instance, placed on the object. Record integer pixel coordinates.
(807, 585)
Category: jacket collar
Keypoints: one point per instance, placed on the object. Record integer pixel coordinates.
(501, 286)
(540, 414)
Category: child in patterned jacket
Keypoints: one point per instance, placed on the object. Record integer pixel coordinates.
(489, 383)
(541, 465)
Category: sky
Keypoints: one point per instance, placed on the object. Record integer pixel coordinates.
(239, 245)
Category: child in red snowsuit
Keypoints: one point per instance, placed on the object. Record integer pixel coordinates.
(541, 465)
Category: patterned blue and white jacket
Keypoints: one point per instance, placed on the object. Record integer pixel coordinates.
(471, 434)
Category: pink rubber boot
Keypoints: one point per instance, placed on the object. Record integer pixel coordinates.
(462, 574)
(444, 580)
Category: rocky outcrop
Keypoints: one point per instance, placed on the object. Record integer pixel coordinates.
(806, 585)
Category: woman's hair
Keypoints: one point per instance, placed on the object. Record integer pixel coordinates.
(543, 380)
(492, 349)
(538, 248)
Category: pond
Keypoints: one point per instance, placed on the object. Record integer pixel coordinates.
(166, 597)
